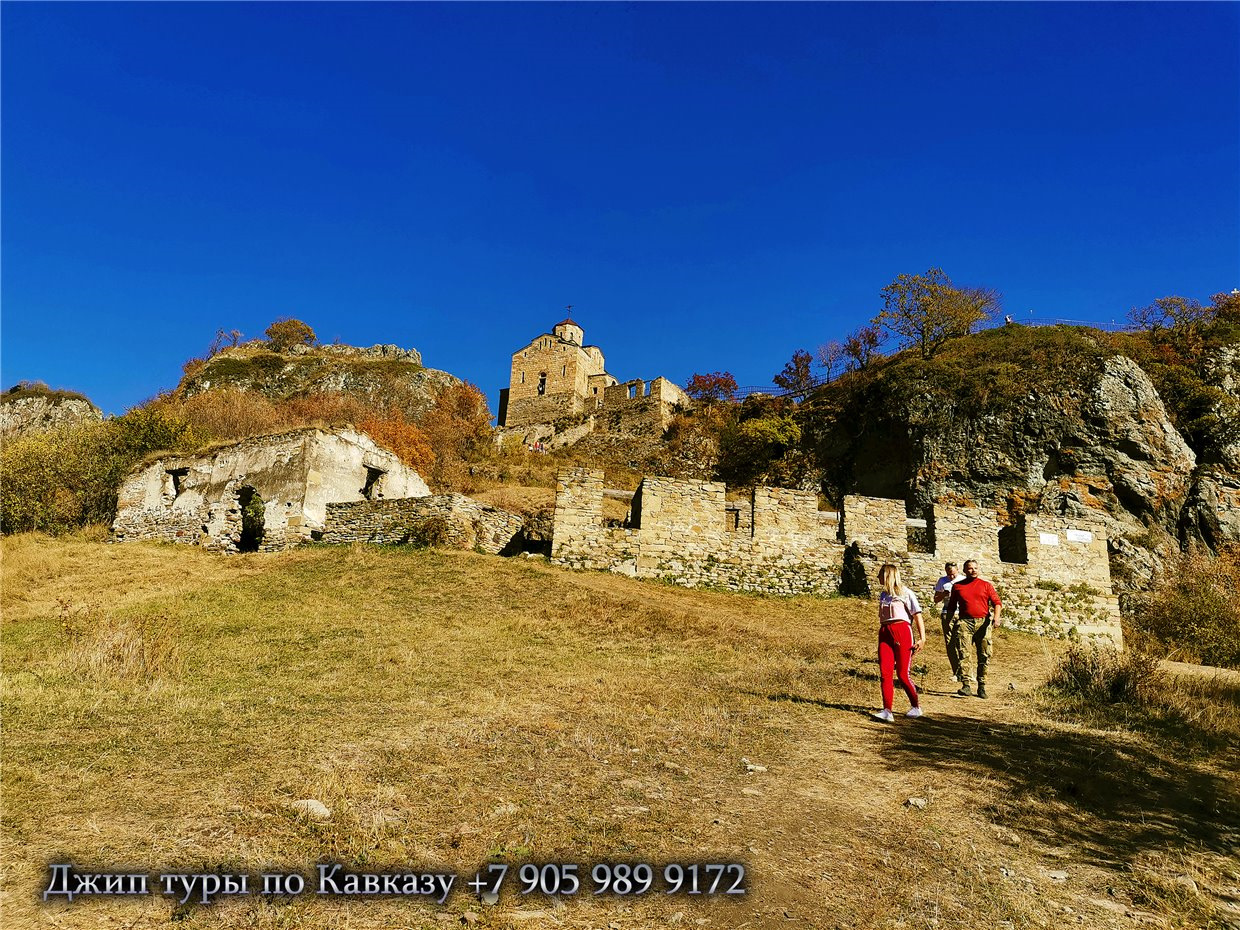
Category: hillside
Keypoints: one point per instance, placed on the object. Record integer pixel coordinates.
(384, 376)
(165, 708)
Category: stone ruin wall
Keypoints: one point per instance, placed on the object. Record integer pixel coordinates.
(641, 407)
(687, 533)
(544, 408)
(195, 500)
(470, 524)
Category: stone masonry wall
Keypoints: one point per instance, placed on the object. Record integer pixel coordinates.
(541, 408)
(686, 532)
(196, 500)
(470, 523)
(686, 537)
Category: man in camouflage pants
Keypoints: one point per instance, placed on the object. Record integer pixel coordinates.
(974, 598)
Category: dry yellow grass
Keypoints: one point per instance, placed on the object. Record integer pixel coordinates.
(453, 708)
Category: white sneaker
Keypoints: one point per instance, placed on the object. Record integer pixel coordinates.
(955, 678)
(913, 712)
(884, 715)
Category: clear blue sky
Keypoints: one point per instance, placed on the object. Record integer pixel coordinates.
(710, 185)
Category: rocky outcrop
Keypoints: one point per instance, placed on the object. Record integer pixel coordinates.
(23, 413)
(1103, 446)
(1084, 436)
(385, 375)
(1211, 513)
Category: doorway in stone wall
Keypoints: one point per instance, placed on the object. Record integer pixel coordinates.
(253, 513)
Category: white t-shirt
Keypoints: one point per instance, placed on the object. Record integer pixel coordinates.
(898, 608)
(944, 585)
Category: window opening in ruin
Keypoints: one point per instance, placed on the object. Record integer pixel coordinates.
(920, 533)
(647, 391)
(523, 377)
(732, 519)
(1012, 545)
(177, 477)
(373, 489)
(596, 390)
(632, 391)
(563, 369)
(542, 382)
(253, 513)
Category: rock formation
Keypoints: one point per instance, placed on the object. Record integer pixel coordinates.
(383, 374)
(24, 410)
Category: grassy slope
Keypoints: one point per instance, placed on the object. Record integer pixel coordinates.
(449, 707)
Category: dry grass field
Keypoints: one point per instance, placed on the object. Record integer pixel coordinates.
(164, 707)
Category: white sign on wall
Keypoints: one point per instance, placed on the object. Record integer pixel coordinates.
(1048, 539)
(1080, 536)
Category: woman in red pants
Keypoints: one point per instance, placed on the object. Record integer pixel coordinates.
(898, 613)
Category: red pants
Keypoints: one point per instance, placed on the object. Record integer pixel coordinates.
(895, 651)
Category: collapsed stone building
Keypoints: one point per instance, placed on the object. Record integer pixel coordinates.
(1052, 572)
(274, 492)
(265, 493)
(556, 376)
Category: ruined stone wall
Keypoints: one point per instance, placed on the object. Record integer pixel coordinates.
(470, 524)
(579, 537)
(687, 533)
(877, 525)
(640, 407)
(966, 533)
(541, 409)
(197, 499)
(778, 541)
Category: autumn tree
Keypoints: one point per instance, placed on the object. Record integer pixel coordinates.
(831, 356)
(796, 376)
(716, 387)
(1182, 322)
(410, 444)
(926, 310)
(458, 429)
(286, 332)
(861, 347)
(227, 339)
(1226, 307)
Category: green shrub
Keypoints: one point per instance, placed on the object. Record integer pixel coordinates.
(428, 534)
(66, 478)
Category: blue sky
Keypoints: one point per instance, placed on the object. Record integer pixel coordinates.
(712, 186)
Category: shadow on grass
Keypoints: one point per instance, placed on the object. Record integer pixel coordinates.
(1096, 791)
(829, 705)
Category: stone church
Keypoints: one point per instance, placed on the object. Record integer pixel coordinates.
(557, 375)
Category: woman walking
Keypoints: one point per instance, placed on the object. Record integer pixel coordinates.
(898, 612)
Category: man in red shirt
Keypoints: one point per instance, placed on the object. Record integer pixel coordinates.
(973, 597)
